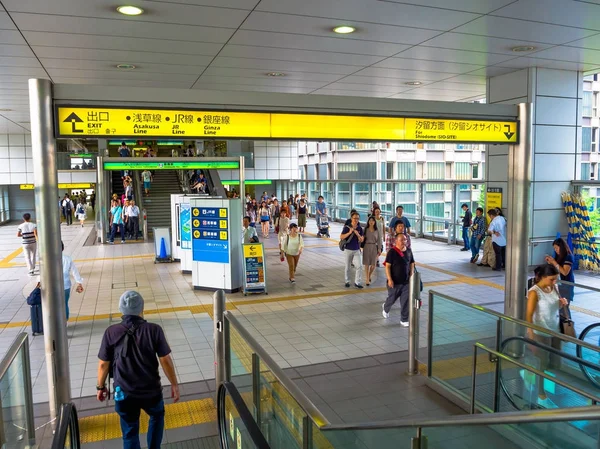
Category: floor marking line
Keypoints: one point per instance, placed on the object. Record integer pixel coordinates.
(5, 263)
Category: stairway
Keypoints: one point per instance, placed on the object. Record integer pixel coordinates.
(158, 204)
(117, 183)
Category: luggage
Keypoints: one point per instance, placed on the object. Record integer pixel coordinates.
(37, 325)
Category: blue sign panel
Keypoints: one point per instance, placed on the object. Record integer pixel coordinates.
(210, 234)
(185, 224)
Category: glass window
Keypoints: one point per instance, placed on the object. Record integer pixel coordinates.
(585, 171)
(342, 200)
(462, 170)
(475, 171)
(311, 174)
(362, 198)
(407, 170)
(435, 210)
(390, 171)
(586, 140)
(436, 170)
(587, 103)
(323, 172)
(359, 170)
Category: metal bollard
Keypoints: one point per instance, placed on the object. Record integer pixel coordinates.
(219, 336)
(414, 305)
(145, 226)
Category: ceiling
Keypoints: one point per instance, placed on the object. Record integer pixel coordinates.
(450, 46)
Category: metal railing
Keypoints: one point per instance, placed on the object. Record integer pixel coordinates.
(17, 428)
(67, 429)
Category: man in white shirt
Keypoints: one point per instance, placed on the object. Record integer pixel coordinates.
(249, 233)
(132, 220)
(147, 178)
(497, 229)
(68, 269)
(28, 232)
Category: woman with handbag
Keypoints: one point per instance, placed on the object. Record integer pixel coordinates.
(543, 307)
(563, 261)
(284, 225)
(371, 248)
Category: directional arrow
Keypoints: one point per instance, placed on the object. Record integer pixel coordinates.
(252, 248)
(508, 134)
(74, 118)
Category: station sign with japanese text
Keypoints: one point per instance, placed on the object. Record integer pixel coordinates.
(210, 234)
(150, 164)
(456, 130)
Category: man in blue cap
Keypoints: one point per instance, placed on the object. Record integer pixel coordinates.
(133, 349)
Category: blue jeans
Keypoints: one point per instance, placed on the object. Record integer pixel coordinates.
(465, 237)
(475, 245)
(113, 231)
(67, 296)
(129, 411)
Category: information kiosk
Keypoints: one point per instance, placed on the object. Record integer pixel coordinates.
(216, 244)
(181, 224)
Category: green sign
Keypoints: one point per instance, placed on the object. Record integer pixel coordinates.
(127, 142)
(146, 164)
(249, 182)
(86, 155)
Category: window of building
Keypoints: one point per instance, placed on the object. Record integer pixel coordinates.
(436, 170)
(359, 170)
(389, 170)
(407, 170)
(323, 172)
(587, 103)
(586, 140)
(311, 172)
(585, 171)
(475, 169)
(462, 170)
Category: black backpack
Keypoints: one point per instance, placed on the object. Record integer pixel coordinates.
(121, 348)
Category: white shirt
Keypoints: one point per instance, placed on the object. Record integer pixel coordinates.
(248, 234)
(132, 211)
(27, 233)
(546, 312)
(68, 269)
(293, 245)
(498, 224)
(147, 176)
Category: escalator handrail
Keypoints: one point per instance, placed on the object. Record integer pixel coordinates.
(253, 430)
(67, 418)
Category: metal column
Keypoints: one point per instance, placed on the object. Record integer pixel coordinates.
(242, 173)
(520, 162)
(48, 223)
(219, 337)
(414, 305)
(101, 201)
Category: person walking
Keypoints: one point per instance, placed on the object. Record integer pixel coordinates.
(467, 221)
(135, 348)
(67, 207)
(93, 200)
(381, 228)
(399, 267)
(28, 233)
(353, 234)
(371, 248)
(477, 234)
(265, 217)
(80, 213)
(301, 213)
(400, 217)
(284, 227)
(116, 214)
(249, 234)
(320, 210)
(563, 261)
(132, 214)
(293, 245)
(147, 178)
(544, 304)
(69, 269)
(497, 229)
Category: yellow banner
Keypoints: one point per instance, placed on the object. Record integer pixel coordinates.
(106, 122)
(449, 130)
(251, 250)
(305, 126)
(60, 186)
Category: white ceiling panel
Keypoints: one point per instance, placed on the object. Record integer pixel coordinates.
(9, 84)
(521, 29)
(301, 25)
(319, 43)
(161, 12)
(129, 57)
(121, 27)
(475, 6)
(11, 37)
(265, 81)
(83, 64)
(132, 75)
(558, 12)
(428, 96)
(378, 81)
(284, 54)
(32, 72)
(268, 65)
(571, 54)
(491, 71)
(19, 51)
(118, 43)
(349, 93)
(428, 66)
(460, 56)
(383, 90)
(485, 44)
(19, 62)
(120, 82)
(454, 87)
(430, 90)
(242, 88)
(411, 75)
(592, 42)
(521, 63)
(253, 74)
(5, 22)
(239, 4)
(372, 11)
(467, 79)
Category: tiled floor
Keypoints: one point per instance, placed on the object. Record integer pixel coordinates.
(313, 321)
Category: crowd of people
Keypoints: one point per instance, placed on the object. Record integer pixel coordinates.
(76, 205)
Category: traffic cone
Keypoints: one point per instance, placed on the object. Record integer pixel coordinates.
(163, 249)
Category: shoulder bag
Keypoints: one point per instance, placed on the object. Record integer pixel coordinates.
(567, 325)
(344, 242)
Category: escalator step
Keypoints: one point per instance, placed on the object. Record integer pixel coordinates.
(200, 443)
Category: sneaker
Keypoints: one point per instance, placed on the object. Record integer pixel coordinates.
(404, 323)
(122, 241)
(383, 312)
(475, 258)
(347, 285)
(111, 243)
(358, 286)
(378, 264)
(293, 281)
(472, 260)
(464, 249)
(31, 273)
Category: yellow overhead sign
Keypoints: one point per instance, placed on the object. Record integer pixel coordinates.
(159, 123)
(60, 186)
(103, 122)
(449, 130)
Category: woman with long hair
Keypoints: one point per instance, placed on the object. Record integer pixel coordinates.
(563, 261)
(265, 217)
(371, 248)
(284, 224)
(543, 306)
(380, 221)
(251, 213)
(293, 246)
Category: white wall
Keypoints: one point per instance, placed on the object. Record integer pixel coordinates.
(16, 164)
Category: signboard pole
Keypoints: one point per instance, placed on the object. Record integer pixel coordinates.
(100, 202)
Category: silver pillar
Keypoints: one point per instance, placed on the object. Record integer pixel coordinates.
(242, 185)
(100, 202)
(48, 223)
(520, 163)
(219, 337)
(414, 305)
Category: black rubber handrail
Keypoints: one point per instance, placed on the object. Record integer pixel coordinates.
(67, 420)
(253, 430)
(545, 347)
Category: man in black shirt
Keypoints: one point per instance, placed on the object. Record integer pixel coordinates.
(132, 347)
(467, 221)
(399, 267)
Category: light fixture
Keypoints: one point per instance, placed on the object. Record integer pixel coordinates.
(130, 10)
(413, 83)
(275, 74)
(522, 48)
(344, 29)
(126, 66)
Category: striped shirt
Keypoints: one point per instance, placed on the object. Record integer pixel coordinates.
(26, 229)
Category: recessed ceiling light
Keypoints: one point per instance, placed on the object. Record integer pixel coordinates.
(275, 74)
(126, 66)
(522, 48)
(344, 29)
(413, 83)
(130, 10)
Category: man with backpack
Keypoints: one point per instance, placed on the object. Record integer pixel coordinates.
(67, 209)
(132, 350)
